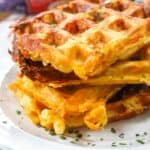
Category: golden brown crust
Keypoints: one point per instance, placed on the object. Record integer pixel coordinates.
(128, 72)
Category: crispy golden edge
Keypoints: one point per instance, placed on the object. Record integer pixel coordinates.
(128, 72)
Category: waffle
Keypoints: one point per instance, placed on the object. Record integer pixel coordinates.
(76, 41)
(130, 72)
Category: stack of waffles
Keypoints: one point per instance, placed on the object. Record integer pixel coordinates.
(84, 63)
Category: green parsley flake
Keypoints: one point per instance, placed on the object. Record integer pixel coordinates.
(113, 130)
(121, 135)
(18, 112)
(62, 137)
(4, 122)
(73, 142)
(114, 144)
(137, 135)
(45, 129)
(93, 145)
(140, 141)
(121, 143)
(145, 133)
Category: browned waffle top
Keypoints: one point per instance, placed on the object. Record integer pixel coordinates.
(84, 37)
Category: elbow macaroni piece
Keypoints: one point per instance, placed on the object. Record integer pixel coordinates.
(97, 117)
(49, 120)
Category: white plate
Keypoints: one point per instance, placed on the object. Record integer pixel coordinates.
(130, 127)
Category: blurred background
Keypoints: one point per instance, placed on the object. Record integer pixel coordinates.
(25, 6)
(7, 7)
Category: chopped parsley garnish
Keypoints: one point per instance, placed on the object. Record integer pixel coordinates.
(137, 135)
(4, 122)
(121, 135)
(22, 118)
(93, 144)
(62, 137)
(76, 139)
(18, 112)
(140, 141)
(101, 139)
(73, 142)
(114, 144)
(45, 129)
(113, 130)
(121, 143)
(145, 133)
